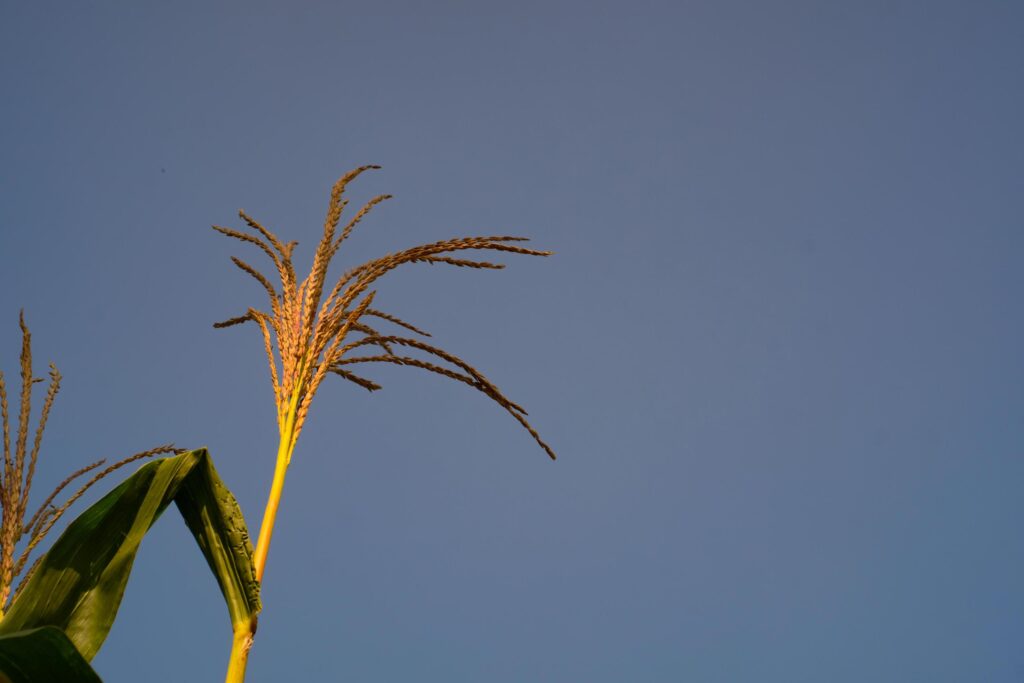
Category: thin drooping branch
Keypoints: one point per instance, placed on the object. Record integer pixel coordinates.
(371, 332)
(367, 384)
(32, 526)
(464, 263)
(396, 320)
(259, 277)
(498, 398)
(440, 353)
(233, 321)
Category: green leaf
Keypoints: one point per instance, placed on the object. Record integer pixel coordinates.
(42, 655)
(80, 581)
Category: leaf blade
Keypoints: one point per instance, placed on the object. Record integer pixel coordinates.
(42, 655)
(81, 580)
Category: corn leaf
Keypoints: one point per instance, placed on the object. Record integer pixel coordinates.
(42, 654)
(80, 581)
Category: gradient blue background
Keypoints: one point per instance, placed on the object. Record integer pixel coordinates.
(779, 350)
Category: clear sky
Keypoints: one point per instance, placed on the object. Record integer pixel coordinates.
(779, 350)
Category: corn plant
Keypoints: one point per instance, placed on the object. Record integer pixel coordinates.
(19, 470)
(310, 331)
(61, 611)
(59, 615)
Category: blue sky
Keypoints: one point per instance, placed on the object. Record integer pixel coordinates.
(778, 349)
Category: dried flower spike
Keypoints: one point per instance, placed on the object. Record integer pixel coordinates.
(19, 470)
(306, 333)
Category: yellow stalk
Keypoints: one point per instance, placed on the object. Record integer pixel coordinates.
(284, 456)
(244, 632)
(240, 645)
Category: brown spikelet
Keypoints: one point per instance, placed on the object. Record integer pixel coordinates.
(262, 321)
(26, 401)
(464, 263)
(51, 394)
(371, 332)
(234, 321)
(433, 350)
(269, 236)
(373, 270)
(361, 381)
(243, 237)
(25, 578)
(513, 409)
(285, 270)
(396, 320)
(325, 251)
(312, 329)
(356, 219)
(259, 277)
(8, 462)
(411, 362)
(327, 358)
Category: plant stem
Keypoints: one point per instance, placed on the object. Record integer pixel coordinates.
(274, 499)
(240, 644)
(244, 632)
